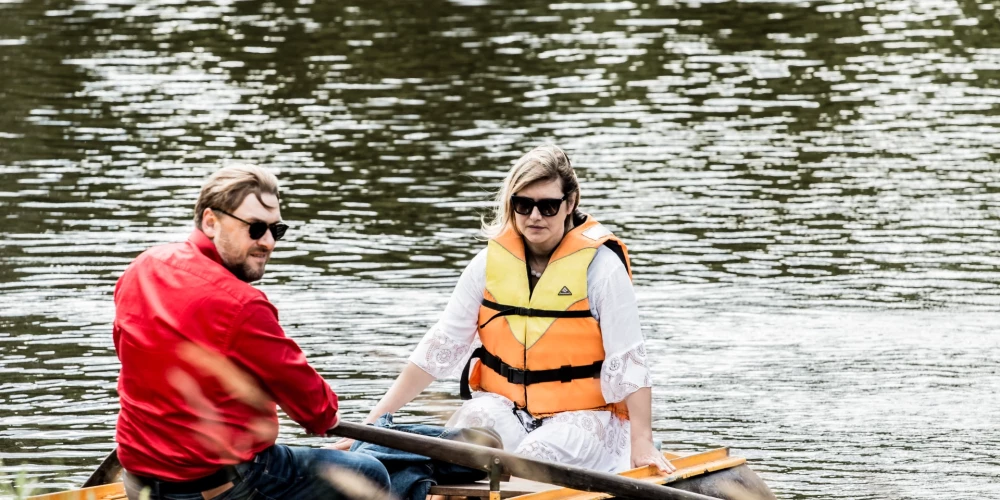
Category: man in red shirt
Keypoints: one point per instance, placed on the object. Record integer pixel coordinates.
(205, 362)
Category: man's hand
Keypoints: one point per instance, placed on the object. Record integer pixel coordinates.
(643, 453)
(342, 445)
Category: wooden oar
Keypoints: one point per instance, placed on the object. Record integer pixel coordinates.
(482, 458)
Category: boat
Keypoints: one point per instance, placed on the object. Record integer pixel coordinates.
(714, 473)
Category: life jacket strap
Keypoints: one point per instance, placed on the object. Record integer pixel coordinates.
(564, 374)
(506, 310)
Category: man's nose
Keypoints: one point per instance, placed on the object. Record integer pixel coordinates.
(267, 240)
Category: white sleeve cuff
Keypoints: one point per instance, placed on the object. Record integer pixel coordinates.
(623, 374)
(440, 355)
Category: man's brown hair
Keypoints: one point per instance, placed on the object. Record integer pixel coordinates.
(227, 188)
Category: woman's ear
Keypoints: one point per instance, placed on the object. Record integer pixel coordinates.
(573, 203)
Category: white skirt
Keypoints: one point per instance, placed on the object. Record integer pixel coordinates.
(596, 440)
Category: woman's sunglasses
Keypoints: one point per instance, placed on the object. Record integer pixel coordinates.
(257, 229)
(546, 206)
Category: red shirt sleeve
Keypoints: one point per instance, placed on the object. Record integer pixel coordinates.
(259, 345)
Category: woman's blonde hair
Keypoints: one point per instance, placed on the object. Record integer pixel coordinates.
(229, 186)
(542, 164)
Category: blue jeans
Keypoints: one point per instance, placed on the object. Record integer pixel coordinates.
(413, 475)
(281, 472)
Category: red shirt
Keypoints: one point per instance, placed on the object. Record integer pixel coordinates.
(177, 422)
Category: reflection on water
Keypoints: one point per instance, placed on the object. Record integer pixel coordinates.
(810, 192)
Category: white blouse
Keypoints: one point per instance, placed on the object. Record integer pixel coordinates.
(447, 346)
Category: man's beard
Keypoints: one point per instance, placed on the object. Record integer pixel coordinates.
(245, 273)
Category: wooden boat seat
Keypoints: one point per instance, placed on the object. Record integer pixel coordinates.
(512, 488)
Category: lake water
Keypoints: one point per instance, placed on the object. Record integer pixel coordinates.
(810, 192)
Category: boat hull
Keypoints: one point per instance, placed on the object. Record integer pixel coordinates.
(713, 473)
(737, 483)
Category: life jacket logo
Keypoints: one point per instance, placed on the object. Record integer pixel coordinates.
(565, 291)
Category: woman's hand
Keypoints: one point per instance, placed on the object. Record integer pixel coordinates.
(644, 453)
(408, 384)
(640, 412)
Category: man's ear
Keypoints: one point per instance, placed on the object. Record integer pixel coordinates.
(209, 223)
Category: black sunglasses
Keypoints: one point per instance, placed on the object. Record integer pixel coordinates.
(257, 229)
(546, 206)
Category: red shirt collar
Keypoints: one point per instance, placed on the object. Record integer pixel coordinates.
(204, 245)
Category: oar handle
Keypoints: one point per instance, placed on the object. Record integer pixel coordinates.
(480, 457)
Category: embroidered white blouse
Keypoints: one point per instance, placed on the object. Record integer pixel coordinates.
(447, 346)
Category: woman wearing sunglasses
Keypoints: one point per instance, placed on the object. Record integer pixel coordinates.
(561, 372)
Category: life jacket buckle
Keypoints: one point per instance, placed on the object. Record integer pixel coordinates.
(513, 375)
(523, 311)
(566, 373)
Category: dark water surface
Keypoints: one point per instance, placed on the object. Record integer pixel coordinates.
(810, 191)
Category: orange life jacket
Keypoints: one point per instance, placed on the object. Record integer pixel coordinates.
(542, 348)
